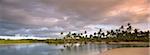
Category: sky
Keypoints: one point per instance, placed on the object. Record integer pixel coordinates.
(47, 18)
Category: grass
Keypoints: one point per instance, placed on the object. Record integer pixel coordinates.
(62, 41)
(14, 41)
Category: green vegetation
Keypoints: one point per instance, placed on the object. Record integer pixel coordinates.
(14, 41)
(123, 34)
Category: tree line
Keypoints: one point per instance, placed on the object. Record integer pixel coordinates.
(123, 33)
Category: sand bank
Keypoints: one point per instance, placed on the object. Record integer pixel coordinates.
(128, 51)
(129, 43)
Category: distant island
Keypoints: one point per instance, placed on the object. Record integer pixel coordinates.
(123, 34)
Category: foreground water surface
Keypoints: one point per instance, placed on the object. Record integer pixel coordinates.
(60, 49)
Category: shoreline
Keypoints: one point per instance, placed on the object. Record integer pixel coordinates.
(71, 42)
(128, 42)
(128, 51)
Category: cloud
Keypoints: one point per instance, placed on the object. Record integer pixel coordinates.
(131, 12)
(54, 16)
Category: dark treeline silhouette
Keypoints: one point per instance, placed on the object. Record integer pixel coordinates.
(124, 33)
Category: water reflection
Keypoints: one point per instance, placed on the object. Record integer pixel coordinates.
(88, 49)
(59, 49)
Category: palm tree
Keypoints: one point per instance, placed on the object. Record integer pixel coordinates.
(108, 33)
(86, 36)
(68, 35)
(148, 34)
(85, 32)
(100, 30)
(122, 27)
(99, 33)
(122, 31)
(129, 28)
(112, 33)
(135, 34)
(103, 34)
(74, 35)
(129, 24)
(136, 31)
(61, 33)
(91, 36)
(81, 33)
(94, 33)
(117, 32)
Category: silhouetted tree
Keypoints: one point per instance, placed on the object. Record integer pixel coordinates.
(91, 36)
(99, 33)
(148, 34)
(61, 33)
(85, 32)
(74, 35)
(94, 33)
(126, 33)
(129, 28)
(122, 27)
(108, 33)
(103, 34)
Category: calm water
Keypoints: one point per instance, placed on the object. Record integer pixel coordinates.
(61, 49)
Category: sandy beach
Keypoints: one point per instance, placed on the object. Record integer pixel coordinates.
(128, 51)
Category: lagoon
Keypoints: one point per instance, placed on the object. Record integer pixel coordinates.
(60, 49)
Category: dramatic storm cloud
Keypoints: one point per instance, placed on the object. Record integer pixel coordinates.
(49, 17)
